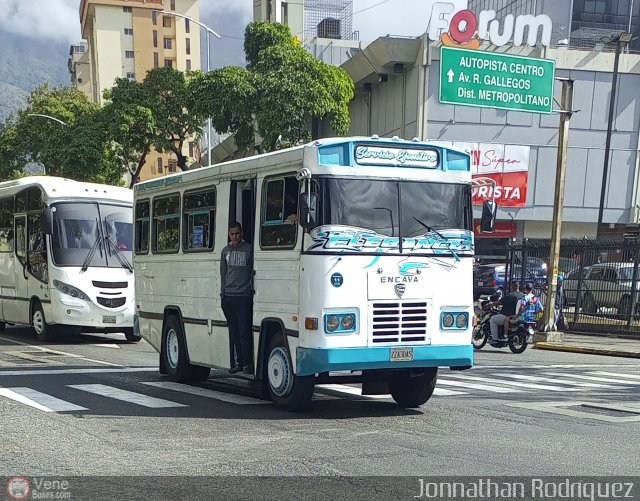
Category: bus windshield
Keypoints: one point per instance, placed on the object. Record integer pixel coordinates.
(79, 227)
(395, 208)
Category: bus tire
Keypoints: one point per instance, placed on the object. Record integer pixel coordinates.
(413, 391)
(3, 326)
(288, 391)
(174, 354)
(131, 338)
(43, 331)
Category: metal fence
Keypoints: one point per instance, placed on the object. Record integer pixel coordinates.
(601, 280)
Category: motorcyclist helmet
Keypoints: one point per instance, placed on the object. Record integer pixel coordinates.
(496, 296)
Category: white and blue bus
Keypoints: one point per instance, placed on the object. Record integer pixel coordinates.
(66, 257)
(370, 282)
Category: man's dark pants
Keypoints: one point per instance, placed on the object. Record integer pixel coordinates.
(239, 313)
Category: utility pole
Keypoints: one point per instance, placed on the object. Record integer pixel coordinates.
(548, 323)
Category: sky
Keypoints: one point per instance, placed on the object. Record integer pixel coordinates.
(58, 19)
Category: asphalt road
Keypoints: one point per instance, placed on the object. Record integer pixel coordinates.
(101, 408)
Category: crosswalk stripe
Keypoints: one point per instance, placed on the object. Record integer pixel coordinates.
(38, 400)
(51, 372)
(596, 378)
(515, 383)
(126, 396)
(630, 376)
(207, 393)
(351, 390)
(446, 393)
(485, 387)
(557, 380)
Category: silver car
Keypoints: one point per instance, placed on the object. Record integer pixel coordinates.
(608, 285)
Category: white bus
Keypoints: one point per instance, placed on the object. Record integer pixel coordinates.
(66, 257)
(372, 286)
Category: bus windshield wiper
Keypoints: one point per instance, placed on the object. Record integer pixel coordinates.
(446, 240)
(89, 257)
(122, 259)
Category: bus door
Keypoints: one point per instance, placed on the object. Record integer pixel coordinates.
(242, 208)
(20, 307)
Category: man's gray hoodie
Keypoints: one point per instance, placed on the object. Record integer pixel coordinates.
(236, 270)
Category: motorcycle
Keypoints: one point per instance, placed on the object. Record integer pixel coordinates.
(519, 336)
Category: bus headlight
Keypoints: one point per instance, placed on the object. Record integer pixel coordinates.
(447, 320)
(462, 321)
(70, 291)
(333, 322)
(339, 323)
(454, 320)
(346, 324)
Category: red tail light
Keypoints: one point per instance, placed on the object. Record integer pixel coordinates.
(493, 283)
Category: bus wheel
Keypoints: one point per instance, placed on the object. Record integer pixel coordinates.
(131, 338)
(174, 355)
(2, 326)
(290, 392)
(413, 391)
(44, 331)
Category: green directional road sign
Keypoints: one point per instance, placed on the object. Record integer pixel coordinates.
(492, 80)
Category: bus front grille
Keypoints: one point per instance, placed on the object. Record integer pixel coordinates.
(399, 322)
(112, 302)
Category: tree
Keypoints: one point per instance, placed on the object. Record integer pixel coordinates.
(280, 92)
(175, 120)
(129, 124)
(74, 148)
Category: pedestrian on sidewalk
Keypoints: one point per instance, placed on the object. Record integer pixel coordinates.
(561, 302)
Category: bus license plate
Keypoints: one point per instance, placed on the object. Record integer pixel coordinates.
(108, 319)
(401, 354)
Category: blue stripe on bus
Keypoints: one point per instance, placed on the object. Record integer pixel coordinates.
(316, 360)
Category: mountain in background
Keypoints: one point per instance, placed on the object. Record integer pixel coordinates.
(26, 62)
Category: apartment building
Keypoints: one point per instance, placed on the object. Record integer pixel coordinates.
(80, 67)
(126, 39)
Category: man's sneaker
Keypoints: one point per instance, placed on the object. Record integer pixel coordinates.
(235, 369)
(247, 369)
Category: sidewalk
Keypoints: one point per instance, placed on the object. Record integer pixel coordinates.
(595, 345)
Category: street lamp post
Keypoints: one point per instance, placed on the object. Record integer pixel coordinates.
(49, 117)
(209, 32)
(620, 40)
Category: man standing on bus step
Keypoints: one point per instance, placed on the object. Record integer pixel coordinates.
(236, 273)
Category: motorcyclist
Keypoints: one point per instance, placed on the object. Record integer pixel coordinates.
(509, 303)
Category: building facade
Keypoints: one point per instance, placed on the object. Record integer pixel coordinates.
(397, 93)
(126, 39)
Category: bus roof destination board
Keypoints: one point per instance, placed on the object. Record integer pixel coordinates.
(492, 80)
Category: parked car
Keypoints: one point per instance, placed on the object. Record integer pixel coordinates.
(608, 285)
(566, 265)
(488, 279)
(535, 271)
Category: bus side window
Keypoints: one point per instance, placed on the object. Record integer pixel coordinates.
(199, 215)
(279, 228)
(142, 227)
(20, 239)
(6, 225)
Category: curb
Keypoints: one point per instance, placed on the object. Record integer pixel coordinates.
(590, 351)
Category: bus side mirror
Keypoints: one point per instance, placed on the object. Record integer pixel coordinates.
(308, 203)
(489, 212)
(47, 221)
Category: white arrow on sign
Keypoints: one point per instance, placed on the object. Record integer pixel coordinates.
(450, 75)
